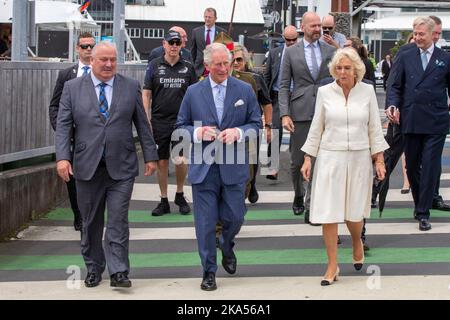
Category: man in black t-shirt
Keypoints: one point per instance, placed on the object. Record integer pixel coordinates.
(166, 81)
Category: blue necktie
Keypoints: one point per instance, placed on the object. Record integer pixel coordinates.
(219, 101)
(423, 56)
(102, 102)
(85, 70)
(314, 66)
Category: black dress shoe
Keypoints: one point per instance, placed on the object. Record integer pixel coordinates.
(272, 176)
(424, 225)
(373, 204)
(440, 205)
(253, 195)
(121, 280)
(92, 280)
(78, 224)
(229, 263)
(297, 207)
(209, 282)
(309, 222)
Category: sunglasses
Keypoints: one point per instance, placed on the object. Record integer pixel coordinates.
(290, 40)
(174, 42)
(238, 59)
(327, 28)
(85, 46)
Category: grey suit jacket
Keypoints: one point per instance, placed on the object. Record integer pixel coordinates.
(198, 44)
(301, 103)
(273, 66)
(93, 133)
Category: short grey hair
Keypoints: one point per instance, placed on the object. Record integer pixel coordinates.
(427, 21)
(104, 44)
(353, 56)
(210, 49)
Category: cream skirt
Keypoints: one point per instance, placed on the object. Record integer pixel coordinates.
(341, 186)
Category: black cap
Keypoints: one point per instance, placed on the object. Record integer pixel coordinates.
(172, 35)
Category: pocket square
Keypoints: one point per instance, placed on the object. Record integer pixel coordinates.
(238, 103)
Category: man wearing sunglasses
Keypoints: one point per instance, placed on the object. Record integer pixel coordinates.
(272, 77)
(85, 44)
(184, 53)
(166, 81)
(329, 33)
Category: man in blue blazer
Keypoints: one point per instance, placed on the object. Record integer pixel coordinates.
(218, 114)
(419, 89)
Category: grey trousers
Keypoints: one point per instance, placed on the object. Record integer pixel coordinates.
(302, 188)
(93, 196)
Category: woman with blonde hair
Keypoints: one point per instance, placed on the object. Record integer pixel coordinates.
(345, 137)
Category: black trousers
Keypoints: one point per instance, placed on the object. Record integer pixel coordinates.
(423, 154)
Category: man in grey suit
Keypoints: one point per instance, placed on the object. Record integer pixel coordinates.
(272, 77)
(102, 107)
(203, 36)
(305, 63)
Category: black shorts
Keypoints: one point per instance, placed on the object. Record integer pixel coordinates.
(162, 133)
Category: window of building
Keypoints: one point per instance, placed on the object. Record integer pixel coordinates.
(153, 33)
(134, 32)
(389, 35)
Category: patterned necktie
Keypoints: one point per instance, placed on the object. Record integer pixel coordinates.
(423, 56)
(102, 102)
(208, 39)
(219, 101)
(85, 70)
(315, 67)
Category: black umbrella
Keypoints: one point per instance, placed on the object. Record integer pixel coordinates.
(394, 138)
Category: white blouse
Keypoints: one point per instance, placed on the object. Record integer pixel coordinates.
(340, 124)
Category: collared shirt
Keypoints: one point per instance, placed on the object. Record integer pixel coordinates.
(108, 88)
(430, 51)
(308, 57)
(215, 91)
(212, 33)
(81, 70)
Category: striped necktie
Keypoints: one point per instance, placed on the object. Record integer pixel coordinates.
(102, 102)
(219, 99)
(85, 70)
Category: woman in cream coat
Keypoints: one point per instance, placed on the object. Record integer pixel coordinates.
(346, 137)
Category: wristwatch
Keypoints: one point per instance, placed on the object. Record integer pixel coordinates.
(268, 125)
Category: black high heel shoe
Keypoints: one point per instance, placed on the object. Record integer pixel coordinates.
(327, 282)
(359, 264)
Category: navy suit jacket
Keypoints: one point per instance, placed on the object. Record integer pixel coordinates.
(421, 95)
(241, 110)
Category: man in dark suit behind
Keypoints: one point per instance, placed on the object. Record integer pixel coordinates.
(386, 69)
(203, 36)
(103, 107)
(85, 44)
(272, 77)
(419, 89)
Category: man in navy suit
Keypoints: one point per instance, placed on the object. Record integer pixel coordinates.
(218, 114)
(419, 89)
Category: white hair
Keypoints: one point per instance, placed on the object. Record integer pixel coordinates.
(210, 49)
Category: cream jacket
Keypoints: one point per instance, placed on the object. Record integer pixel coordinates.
(340, 125)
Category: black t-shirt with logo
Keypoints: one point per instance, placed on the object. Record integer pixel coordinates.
(168, 85)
